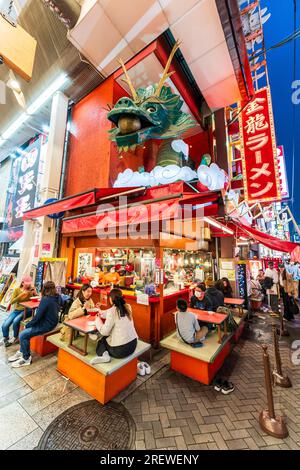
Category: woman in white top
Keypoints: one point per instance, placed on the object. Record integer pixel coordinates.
(119, 338)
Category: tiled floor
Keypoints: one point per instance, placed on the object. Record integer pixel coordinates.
(170, 410)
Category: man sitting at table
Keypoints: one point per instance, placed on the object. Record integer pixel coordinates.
(214, 298)
(187, 325)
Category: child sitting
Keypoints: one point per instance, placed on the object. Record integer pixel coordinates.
(188, 328)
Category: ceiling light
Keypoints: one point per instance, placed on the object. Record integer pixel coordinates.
(49, 91)
(14, 126)
(35, 106)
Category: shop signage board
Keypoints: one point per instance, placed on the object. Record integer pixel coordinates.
(258, 149)
(23, 184)
(142, 299)
(284, 189)
(7, 264)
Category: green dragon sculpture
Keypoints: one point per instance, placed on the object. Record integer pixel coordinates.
(152, 113)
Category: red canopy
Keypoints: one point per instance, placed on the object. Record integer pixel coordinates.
(73, 202)
(268, 240)
(138, 214)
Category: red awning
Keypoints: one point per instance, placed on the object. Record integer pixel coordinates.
(138, 214)
(267, 240)
(142, 212)
(73, 202)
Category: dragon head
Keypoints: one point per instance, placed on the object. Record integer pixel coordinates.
(152, 113)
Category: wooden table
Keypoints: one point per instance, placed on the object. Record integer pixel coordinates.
(29, 304)
(81, 324)
(214, 318)
(238, 302)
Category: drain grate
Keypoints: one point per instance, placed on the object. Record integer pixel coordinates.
(91, 426)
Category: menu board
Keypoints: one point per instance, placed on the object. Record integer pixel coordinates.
(7, 298)
(7, 264)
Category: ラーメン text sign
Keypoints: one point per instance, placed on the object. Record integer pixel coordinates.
(258, 149)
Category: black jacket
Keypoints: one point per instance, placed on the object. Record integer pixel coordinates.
(214, 298)
(46, 317)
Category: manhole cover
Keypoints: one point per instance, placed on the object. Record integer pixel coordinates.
(90, 426)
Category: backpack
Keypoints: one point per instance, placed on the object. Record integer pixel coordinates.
(65, 307)
(268, 283)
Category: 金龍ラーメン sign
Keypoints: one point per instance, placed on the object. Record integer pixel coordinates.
(258, 149)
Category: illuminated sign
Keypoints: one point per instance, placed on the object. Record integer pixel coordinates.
(258, 149)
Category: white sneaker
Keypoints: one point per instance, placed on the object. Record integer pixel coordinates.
(101, 359)
(13, 340)
(22, 363)
(141, 370)
(93, 337)
(147, 368)
(15, 357)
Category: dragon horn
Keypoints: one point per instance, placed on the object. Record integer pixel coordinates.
(128, 81)
(166, 75)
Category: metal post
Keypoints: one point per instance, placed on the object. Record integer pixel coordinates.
(282, 330)
(278, 377)
(276, 427)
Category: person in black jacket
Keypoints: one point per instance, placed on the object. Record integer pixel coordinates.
(45, 319)
(214, 298)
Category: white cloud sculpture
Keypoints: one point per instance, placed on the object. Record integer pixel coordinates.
(210, 176)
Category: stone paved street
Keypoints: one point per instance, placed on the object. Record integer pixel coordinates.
(170, 411)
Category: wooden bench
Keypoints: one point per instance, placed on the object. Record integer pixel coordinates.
(200, 364)
(39, 344)
(102, 381)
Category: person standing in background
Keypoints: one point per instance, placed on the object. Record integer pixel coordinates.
(272, 291)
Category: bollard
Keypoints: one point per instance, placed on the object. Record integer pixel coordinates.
(268, 422)
(282, 331)
(278, 377)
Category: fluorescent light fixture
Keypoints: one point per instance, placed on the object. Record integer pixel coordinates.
(216, 224)
(242, 243)
(14, 126)
(46, 95)
(34, 107)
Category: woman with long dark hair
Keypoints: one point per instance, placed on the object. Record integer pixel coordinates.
(224, 286)
(79, 307)
(119, 338)
(45, 319)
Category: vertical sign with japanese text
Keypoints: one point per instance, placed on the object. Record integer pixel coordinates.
(23, 184)
(258, 149)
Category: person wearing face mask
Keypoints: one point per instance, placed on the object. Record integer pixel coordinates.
(112, 277)
(198, 299)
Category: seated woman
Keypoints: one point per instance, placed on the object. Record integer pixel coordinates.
(119, 338)
(187, 325)
(225, 287)
(79, 307)
(20, 294)
(45, 319)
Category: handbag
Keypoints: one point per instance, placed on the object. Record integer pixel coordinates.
(196, 344)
